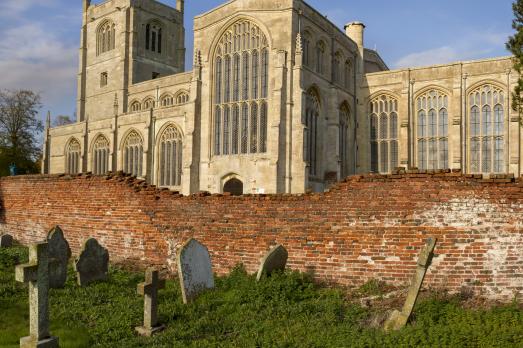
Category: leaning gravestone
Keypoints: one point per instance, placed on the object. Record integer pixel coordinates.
(274, 260)
(59, 254)
(397, 319)
(92, 264)
(6, 241)
(194, 270)
(36, 274)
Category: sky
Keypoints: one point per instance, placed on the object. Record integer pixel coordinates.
(40, 38)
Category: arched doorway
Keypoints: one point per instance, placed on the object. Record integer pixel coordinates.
(234, 186)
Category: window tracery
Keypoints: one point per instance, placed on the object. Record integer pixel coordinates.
(432, 130)
(101, 155)
(72, 157)
(320, 57)
(105, 37)
(148, 104)
(486, 129)
(182, 98)
(241, 84)
(170, 157)
(167, 100)
(312, 115)
(343, 139)
(384, 133)
(133, 154)
(135, 106)
(153, 37)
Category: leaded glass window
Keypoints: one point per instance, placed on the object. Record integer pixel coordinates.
(101, 155)
(384, 134)
(133, 154)
(432, 130)
(105, 37)
(486, 130)
(312, 115)
(72, 157)
(343, 140)
(170, 157)
(241, 90)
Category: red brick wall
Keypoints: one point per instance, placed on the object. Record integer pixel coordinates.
(369, 227)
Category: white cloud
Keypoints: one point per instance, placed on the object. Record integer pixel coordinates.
(10, 8)
(468, 47)
(34, 58)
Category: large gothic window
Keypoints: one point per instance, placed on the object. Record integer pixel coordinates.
(170, 157)
(312, 115)
(343, 139)
(105, 37)
(241, 88)
(384, 134)
(433, 130)
(133, 154)
(486, 130)
(101, 155)
(153, 37)
(72, 157)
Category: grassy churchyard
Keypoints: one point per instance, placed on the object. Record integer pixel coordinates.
(285, 310)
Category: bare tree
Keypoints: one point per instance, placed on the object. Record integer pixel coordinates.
(19, 128)
(62, 120)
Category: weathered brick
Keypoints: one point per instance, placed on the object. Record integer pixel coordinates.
(368, 227)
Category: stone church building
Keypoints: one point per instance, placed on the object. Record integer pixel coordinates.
(280, 100)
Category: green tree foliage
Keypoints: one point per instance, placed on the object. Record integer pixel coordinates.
(19, 128)
(515, 45)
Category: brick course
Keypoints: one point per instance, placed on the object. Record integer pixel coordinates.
(368, 227)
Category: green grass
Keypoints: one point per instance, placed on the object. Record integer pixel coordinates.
(286, 310)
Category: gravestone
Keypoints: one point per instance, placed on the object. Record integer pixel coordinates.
(59, 254)
(397, 319)
(274, 260)
(149, 289)
(92, 264)
(194, 270)
(36, 274)
(6, 241)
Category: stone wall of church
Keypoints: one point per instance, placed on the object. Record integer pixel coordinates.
(369, 227)
(455, 81)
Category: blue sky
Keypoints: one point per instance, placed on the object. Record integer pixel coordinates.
(40, 38)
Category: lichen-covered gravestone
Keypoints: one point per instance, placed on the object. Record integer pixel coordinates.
(92, 264)
(36, 274)
(194, 270)
(59, 254)
(6, 241)
(274, 260)
(397, 319)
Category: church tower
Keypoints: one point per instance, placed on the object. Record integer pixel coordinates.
(124, 42)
